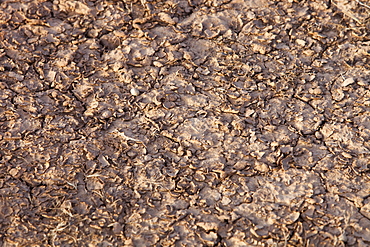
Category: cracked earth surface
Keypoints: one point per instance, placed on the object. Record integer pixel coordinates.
(184, 123)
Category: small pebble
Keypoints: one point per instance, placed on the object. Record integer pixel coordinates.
(157, 64)
(134, 91)
(348, 82)
(300, 42)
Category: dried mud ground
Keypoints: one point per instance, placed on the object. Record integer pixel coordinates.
(184, 123)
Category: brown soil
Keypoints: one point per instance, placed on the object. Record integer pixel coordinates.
(184, 123)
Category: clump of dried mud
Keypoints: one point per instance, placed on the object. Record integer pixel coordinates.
(184, 123)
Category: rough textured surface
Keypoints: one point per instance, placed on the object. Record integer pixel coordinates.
(184, 123)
